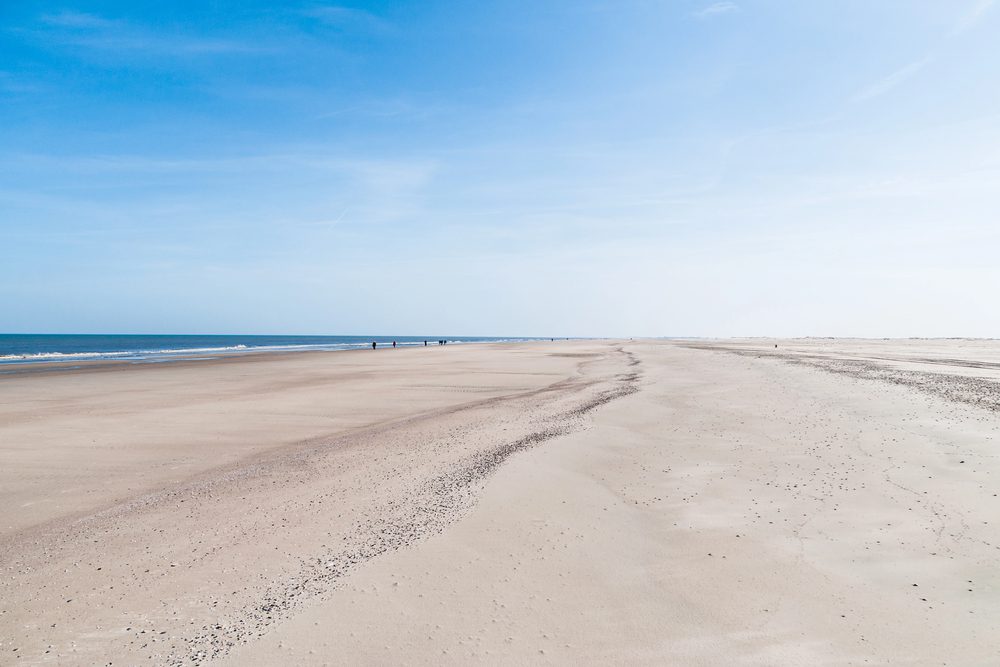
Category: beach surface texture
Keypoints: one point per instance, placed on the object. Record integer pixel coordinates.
(758, 502)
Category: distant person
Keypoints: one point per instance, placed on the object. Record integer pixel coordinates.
(373, 345)
(425, 343)
(394, 345)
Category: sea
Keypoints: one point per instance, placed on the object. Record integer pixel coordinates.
(49, 348)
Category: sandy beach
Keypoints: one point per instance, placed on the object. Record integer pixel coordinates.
(698, 502)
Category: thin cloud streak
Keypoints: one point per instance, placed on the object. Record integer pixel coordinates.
(717, 9)
(966, 22)
(884, 85)
(165, 45)
(68, 19)
(95, 32)
(261, 162)
(973, 17)
(348, 17)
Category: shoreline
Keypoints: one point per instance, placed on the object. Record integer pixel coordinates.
(18, 368)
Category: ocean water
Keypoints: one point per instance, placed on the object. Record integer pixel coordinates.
(36, 348)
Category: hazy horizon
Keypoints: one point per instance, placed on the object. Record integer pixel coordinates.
(647, 169)
(465, 335)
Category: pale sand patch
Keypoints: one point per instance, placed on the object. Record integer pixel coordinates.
(735, 509)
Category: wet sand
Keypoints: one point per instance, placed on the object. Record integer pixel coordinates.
(682, 502)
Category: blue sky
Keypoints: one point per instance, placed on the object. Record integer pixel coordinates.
(670, 167)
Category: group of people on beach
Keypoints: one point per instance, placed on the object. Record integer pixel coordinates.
(440, 342)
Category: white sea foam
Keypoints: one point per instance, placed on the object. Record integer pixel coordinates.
(173, 353)
(76, 356)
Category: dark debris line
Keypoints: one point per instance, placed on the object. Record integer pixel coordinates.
(980, 392)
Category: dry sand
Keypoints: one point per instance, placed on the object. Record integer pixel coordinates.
(699, 502)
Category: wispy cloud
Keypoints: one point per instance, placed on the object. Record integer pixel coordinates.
(386, 108)
(967, 21)
(717, 9)
(972, 17)
(99, 33)
(14, 84)
(348, 17)
(885, 84)
(69, 19)
(367, 168)
(168, 44)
